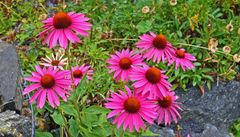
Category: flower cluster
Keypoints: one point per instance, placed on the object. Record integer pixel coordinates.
(152, 97)
(53, 79)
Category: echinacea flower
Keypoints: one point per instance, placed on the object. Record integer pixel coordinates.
(121, 63)
(54, 61)
(156, 46)
(63, 27)
(150, 80)
(167, 108)
(79, 72)
(130, 110)
(48, 82)
(183, 59)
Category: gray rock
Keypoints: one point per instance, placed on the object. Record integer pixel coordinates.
(12, 125)
(10, 83)
(209, 115)
(163, 131)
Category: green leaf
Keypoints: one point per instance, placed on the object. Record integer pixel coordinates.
(74, 130)
(97, 110)
(149, 133)
(179, 33)
(197, 64)
(144, 26)
(69, 109)
(42, 134)
(57, 118)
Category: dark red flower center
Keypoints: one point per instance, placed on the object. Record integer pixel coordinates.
(132, 105)
(160, 41)
(61, 20)
(153, 75)
(47, 81)
(165, 102)
(125, 63)
(55, 62)
(77, 74)
(180, 53)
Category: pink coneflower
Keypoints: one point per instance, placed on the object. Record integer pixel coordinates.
(156, 46)
(183, 59)
(130, 110)
(48, 82)
(79, 72)
(54, 61)
(150, 80)
(122, 63)
(63, 27)
(167, 108)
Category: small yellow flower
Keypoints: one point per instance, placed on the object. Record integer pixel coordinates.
(238, 31)
(194, 21)
(229, 27)
(236, 58)
(173, 2)
(226, 49)
(145, 9)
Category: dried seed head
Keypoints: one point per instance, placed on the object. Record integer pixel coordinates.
(227, 49)
(145, 9)
(229, 27)
(42, 17)
(173, 2)
(212, 45)
(236, 58)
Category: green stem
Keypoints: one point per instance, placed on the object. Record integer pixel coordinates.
(65, 121)
(61, 131)
(69, 60)
(43, 7)
(200, 47)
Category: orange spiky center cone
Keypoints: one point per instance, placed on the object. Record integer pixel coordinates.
(180, 53)
(165, 102)
(160, 41)
(77, 74)
(125, 63)
(55, 62)
(153, 75)
(47, 81)
(61, 20)
(132, 105)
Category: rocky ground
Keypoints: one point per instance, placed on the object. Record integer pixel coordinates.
(209, 115)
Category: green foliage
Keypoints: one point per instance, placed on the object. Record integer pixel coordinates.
(43, 134)
(235, 128)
